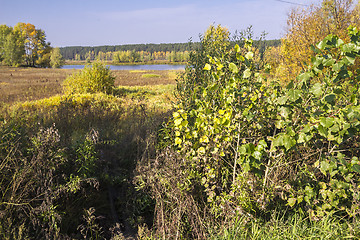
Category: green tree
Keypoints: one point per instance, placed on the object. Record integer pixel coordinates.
(4, 32)
(56, 59)
(13, 50)
(44, 59)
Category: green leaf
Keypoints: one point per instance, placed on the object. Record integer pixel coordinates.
(176, 114)
(325, 167)
(204, 139)
(339, 42)
(317, 89)
(279, 124)
(201, 150)
(356, 168)
(354, 160)
(322, 185)
(233, 68)
(289, 142)
(284, 112)
(329, 62)
(261, 145)
(249, 55)
(177, 121)
(309, 192)
(338, 66)
(291, 202)
(330, 98)
(302, 138)
(207, 67)
(247, 73)
(349, 48)
(282, 100)
(327, 122)
(335, 128)
(246, 166)
(237, 48)
(304, 76)
(242, 150)
(322, 131)
(214, 87)
(178, 141)
(321, 45)
(306, 129)
(257, 155)
(351, 59)
(279, 140)
(294, 95)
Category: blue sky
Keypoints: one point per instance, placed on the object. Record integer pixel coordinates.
(111, 22)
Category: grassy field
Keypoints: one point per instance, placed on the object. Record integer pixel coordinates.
(123, 127)
(26, 84)
(104, 138)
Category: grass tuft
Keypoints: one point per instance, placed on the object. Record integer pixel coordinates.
(150, 75)
(291, 227)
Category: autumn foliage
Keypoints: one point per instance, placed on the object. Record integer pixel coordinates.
(306, 27)
(25, 45)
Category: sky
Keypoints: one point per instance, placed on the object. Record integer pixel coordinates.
(117, 22)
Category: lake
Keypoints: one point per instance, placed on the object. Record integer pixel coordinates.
(134, 67)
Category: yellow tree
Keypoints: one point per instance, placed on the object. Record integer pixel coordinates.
(306, 27)
(37, 50)
(56, 59)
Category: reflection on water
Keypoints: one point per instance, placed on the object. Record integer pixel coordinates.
(134, 67)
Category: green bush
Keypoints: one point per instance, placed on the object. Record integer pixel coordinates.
(240, 145)
(95, 78)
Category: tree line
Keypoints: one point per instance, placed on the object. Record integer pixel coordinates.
(171, 52)
(134, 56)
(71, 53)
(24, 45)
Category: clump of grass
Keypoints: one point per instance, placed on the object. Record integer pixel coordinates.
(154, 96)
(173, 74)
(290, 227)
(137, 71)
(150, 75)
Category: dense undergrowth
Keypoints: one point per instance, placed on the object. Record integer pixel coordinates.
(67, 164)
(240, 155)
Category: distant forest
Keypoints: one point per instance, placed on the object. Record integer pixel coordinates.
(107, 53)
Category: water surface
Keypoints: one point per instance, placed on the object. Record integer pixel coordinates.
(134, 67)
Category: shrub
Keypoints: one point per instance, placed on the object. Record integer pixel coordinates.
(92, 79)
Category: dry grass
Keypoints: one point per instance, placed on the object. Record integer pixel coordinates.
(21, 84)
(136, 78)
(26, 84)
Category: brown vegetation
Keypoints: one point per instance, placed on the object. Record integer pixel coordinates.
(23, 84)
